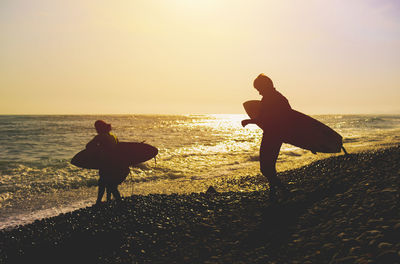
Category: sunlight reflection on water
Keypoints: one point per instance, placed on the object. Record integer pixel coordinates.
(195, 151)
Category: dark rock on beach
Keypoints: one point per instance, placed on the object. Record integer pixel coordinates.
(344, 209)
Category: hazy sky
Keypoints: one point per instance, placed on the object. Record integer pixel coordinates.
(197, 56)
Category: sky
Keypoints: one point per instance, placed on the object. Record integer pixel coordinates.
(198, 57)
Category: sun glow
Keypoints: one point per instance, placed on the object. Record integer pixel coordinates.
(192, 57)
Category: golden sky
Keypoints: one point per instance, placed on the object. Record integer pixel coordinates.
(197, 56)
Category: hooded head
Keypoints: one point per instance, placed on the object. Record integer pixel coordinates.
(102, 127)
(263, 84)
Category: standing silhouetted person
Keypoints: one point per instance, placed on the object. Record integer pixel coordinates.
(104, 144)
(274, 108)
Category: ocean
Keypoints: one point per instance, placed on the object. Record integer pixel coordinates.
(195, 151)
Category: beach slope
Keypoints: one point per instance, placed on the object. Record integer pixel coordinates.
(343, 209)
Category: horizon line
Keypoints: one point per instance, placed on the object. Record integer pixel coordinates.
(182, 114)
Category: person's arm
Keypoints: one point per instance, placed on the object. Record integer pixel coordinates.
(245, 122)
(258, 121)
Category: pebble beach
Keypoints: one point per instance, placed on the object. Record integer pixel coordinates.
(343, 209)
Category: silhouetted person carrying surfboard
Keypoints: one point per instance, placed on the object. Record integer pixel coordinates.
(104, 144)
(282, 124)
(274, 108)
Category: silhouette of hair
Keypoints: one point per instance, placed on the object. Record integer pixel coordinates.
(102, 127)
(263, 80)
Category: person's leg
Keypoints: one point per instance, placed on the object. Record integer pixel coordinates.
(105, 174)
(108, 191)
(100, 193)
(116, 193)
(269, 151)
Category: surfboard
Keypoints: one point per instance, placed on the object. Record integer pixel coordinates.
(126, 154)
(302, 130)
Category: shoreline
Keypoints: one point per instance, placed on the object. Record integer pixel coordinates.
(62, 201)
(340, 209)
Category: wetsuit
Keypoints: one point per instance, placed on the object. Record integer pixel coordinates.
(105, 144)
(274, 110)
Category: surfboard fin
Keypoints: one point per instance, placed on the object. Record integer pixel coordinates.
(344, 150)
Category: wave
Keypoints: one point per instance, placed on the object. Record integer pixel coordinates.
(153, 178)
(375, 122)
(35, 187)
(34, 180)
(254, 158)
(351, 140)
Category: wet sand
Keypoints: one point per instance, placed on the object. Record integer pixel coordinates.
(343, 209)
